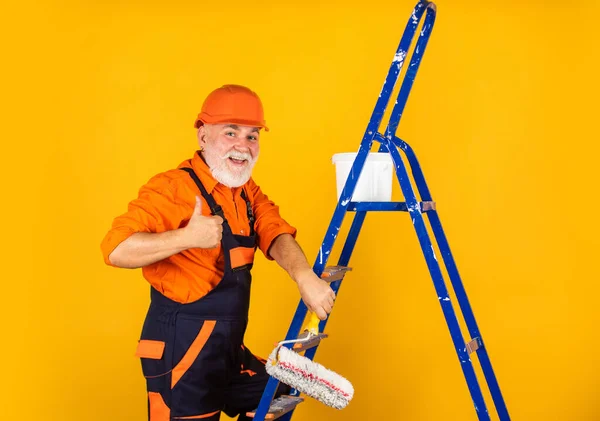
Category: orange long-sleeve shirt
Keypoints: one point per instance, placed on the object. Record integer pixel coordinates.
(167, 201)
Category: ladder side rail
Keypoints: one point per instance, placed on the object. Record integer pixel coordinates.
(439, 284)
(344, 259)
(456, 281)
(415, 61)
(376, 116)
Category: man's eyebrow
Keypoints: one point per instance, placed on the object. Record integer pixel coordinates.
(236, 127)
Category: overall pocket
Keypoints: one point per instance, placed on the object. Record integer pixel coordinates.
(155, 368)
(151, 354)
(155, 349)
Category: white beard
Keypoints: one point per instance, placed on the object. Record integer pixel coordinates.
(221, 172)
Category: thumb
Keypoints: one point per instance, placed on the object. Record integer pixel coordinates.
(198, 207)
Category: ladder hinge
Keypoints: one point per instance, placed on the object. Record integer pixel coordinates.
(474, 345)
(427, 206)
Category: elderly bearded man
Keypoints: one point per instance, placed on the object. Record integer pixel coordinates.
(193, 230)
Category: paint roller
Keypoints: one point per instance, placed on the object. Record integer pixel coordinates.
(307, 376)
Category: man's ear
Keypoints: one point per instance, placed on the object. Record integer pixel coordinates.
(202, 133)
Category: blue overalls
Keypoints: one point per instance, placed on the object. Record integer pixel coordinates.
(193, 356)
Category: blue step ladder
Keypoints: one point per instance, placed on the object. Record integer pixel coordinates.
(283, 407)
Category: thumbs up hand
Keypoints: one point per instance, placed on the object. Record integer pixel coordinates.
(203, 231)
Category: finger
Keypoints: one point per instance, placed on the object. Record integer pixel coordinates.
(327, 307)
(218, 219)
(308, 306)
(321, 314)
(198, 206)
(330, 301)
(332, 295)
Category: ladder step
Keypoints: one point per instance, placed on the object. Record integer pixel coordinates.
(334, 273)
(473, 345)
(311, 343)
(280, 406)
(388, 206)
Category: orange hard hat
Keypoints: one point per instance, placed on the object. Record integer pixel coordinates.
(232, 104)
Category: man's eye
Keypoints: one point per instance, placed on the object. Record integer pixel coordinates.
(252, 138)
(230, 134)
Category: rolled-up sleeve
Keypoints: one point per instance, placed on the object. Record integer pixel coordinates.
(154, 210)
(269, 224)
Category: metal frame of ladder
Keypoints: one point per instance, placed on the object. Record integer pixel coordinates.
(389, 142)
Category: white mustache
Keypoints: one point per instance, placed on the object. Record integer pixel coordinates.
(238, 155)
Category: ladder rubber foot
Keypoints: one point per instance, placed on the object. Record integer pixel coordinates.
(280, 406)
(334, 273)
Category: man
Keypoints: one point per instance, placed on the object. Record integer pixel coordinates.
(193, 230)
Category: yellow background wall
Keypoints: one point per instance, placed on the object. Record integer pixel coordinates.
(100, 96)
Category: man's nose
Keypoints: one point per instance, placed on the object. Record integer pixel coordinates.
(243, 144)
